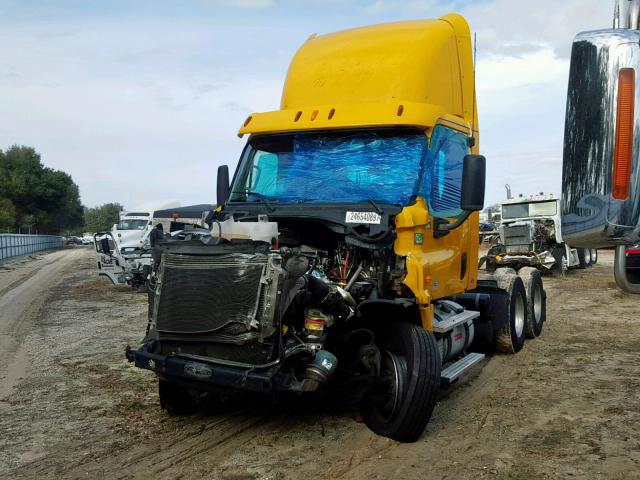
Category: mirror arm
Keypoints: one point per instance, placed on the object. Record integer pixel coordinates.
(442, 226)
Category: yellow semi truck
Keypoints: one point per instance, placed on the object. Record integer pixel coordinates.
(344, 254)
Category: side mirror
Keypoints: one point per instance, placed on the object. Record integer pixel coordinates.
(104, 246)
(474, 171)
(223, 184)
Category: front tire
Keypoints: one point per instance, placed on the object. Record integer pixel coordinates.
(401, 404)
(560, 255)
(536, 301)
(510, 338)
(594, 256)
(584, 256)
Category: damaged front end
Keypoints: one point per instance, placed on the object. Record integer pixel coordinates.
(240, 315)
(524, 243)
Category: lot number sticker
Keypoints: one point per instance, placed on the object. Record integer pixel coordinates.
(363, 217)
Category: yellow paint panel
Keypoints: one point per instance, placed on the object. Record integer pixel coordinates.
(414, 73)
(335, 116)
(360, 77)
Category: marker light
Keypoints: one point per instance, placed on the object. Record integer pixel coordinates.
(623, 153)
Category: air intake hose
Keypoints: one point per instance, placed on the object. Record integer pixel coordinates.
(329, 298)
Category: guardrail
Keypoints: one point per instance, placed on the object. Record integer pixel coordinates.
(13, 245)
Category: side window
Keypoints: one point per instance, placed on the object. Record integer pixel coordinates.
(443, 176)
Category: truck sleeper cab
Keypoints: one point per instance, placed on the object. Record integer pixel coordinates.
(343, 256)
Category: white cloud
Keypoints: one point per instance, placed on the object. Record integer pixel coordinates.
(497, 72)
(145, 110)
(242, 3)
(502, 23)
(415, 7)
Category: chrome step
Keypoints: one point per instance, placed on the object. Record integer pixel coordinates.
(452, 322)
(453, 371)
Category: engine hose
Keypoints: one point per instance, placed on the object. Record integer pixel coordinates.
(355, 276)
(368, 239)
(327, 297)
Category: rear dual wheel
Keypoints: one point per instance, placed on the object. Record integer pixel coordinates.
(510, 338)
(401, 404)
(536, 301)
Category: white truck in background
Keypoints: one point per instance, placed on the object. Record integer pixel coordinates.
(531, 235)
(124, 254)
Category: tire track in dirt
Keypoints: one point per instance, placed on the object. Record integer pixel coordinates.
(565, 406)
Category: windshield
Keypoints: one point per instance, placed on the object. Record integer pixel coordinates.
(130, 224)
(532, 209)
(342, 167)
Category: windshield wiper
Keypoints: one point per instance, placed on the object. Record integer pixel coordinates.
(259, 198)
(375, 205)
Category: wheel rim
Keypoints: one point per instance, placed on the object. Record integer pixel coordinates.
(537, 304)
(392, 378)
(519, 315)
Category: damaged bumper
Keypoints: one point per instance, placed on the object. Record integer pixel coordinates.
(532, 259)
(208, 374)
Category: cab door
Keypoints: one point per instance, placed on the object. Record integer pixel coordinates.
(448, 262)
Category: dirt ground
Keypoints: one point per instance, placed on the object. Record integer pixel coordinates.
(566, 406)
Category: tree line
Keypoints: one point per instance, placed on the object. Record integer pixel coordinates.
(35, 198)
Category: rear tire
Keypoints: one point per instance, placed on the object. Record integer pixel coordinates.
(560, 255)
(536, 301)
(401, 404)
(176, 399)
(510, 338)
(584, 256)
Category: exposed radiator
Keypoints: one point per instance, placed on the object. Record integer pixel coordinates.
(210, 294)
(517, 235)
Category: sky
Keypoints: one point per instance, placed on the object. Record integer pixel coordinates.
(140, 101)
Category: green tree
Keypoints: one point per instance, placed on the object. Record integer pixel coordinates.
(102, 218)
(7, 214)
(44, 199)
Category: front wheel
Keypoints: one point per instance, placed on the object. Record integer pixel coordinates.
(560, 255)
(594, 256)
(401, 404)
(584, 256)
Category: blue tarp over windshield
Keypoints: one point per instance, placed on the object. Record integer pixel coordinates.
(345, 169)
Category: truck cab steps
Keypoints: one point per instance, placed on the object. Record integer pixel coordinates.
(452, 322)
(453, 371)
